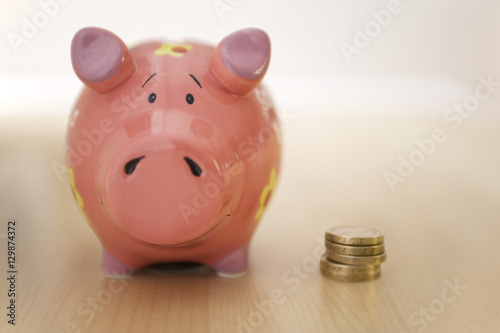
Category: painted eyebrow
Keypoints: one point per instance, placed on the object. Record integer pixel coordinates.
(148, 80)
(195, 80)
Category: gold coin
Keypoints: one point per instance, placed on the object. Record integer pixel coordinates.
(339, 268)
(369, 250)
(328, 269)
(350, 277)
(357, 260)
(353, 235)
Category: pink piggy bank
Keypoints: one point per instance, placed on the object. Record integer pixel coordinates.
(173, 150)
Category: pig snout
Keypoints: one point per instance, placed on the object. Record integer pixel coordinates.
(165, 196)
(195, 168)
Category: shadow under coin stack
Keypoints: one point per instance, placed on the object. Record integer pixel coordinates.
(353, 254)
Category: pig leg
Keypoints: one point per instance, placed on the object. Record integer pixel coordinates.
(114, 268)
(233, 264)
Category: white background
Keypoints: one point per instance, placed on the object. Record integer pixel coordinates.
(427, 58)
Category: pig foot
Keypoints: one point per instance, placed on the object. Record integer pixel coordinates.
(114, 268)
(234, 264)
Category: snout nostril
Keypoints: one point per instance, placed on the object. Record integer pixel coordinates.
(130, 165)
(195, 168)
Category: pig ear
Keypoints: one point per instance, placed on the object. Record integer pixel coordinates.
(100, 59)
(240, 60)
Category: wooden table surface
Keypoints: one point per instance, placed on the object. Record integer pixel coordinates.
(442, 236)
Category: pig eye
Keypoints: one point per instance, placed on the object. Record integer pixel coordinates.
(152, 98)
(189, 99)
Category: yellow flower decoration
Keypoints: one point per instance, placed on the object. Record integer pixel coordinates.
(77, 195)
(266, 194)
(173, 50)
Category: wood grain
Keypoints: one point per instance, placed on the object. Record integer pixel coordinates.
(442, 227)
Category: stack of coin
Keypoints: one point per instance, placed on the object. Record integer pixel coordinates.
(353, 254)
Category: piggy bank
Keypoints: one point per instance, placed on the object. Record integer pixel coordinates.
(172, 149)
